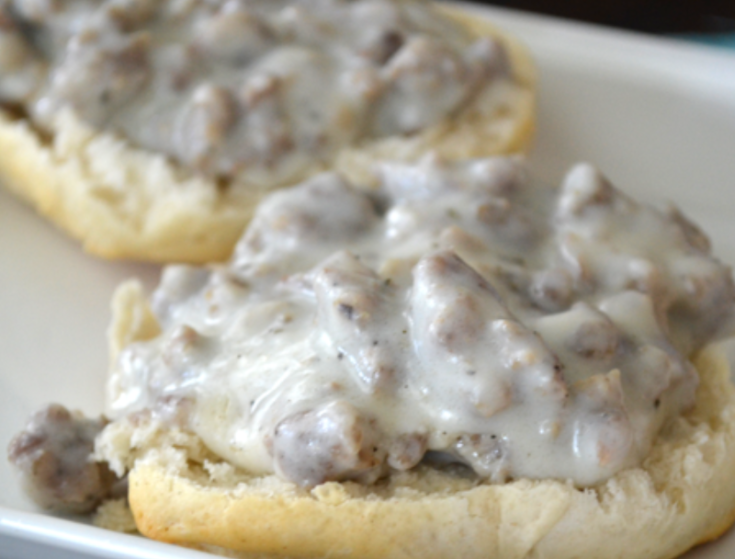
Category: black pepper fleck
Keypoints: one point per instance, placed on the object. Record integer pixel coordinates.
(347, 310)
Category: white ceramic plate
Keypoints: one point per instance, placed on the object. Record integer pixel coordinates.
(658, 116)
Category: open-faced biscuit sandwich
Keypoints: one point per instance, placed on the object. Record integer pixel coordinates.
(457, 363)
(149, 129)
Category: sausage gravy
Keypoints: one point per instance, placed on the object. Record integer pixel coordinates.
(461, 314)
(257, 88)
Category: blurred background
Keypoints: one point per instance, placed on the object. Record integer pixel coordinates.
(709, 21)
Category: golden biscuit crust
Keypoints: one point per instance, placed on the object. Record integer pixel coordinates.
(124, 202)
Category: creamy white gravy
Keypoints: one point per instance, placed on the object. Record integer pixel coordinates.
(461, 313)
(260, 88)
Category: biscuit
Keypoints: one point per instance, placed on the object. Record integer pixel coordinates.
(681, 496)
(651, 503)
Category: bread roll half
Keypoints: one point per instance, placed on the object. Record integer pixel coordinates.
(124, 202)
(682, 495)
